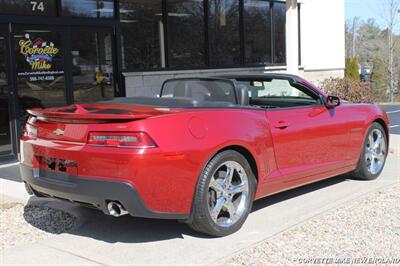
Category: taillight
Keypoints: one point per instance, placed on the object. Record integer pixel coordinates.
(121, 139)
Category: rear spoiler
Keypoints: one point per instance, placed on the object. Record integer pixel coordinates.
(93, 113)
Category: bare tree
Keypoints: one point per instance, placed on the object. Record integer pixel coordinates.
(354, 27)
(390, 14)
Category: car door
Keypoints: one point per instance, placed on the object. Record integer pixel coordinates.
(309, 139)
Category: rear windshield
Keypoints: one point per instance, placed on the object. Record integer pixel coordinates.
(199, 90)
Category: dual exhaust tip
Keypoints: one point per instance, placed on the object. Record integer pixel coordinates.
(116, 209)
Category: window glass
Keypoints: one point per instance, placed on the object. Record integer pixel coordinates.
(142, 34)
(92, 68)
(28, 7)
(278, 88)
(88, 8)
(257, 31)
(200, 90)
(279, 20)
(186, 33)
(278, 93)
(224, 32)
(274, 88)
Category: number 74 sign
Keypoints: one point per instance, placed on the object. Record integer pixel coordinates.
(37, 6)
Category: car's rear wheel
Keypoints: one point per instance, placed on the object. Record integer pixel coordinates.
(224, 195)
(373, 155)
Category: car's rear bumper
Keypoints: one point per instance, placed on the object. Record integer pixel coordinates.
(90, 192)
(163, 182)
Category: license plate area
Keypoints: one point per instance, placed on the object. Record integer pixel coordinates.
(57, 165)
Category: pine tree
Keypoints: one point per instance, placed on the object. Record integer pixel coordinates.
(352, 69)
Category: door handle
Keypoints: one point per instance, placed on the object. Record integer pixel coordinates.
(281, 124)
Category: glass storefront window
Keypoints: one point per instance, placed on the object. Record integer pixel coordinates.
(142, 34)
(143, 29)
(92, 69)
(88, 8)
(186, 33)
(224, 32)
(257, 31)
(279, 20)
(31, 7)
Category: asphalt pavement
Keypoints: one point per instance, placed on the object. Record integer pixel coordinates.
(393, 112)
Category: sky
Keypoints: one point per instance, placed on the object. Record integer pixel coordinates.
(365, 9)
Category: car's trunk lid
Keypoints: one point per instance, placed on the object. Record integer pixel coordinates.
(72, 123)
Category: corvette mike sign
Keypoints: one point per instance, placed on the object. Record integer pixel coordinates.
(40, 55)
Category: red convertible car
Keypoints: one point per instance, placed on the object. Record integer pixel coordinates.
(203, 151)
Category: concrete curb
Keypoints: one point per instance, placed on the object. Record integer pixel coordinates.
(394, 144)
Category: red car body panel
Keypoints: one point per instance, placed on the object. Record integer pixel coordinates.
(317, 143)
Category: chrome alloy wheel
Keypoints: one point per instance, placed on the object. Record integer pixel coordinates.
(228, 194)
(375, 151)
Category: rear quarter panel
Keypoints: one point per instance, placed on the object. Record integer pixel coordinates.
(188, 140)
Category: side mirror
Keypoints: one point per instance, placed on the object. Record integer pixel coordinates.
(332, 102)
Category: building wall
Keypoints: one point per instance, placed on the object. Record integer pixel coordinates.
(322, 52)
(322, 35)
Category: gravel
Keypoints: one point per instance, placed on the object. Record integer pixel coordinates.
(22, 224)
(368, 228)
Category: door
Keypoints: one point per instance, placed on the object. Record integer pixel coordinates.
(58, 65)
(39, 61)
(5, 123)
(92, 64)
(308, 138)
(52, 66)
(8, 100)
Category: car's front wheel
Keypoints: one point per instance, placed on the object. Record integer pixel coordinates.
(224, 195)
(373, 155)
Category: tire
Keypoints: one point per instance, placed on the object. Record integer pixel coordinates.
(217, 210)
(372, 153)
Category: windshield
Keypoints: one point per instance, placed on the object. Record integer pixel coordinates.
(208, 90)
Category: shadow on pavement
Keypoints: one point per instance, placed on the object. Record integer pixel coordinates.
(126, 229)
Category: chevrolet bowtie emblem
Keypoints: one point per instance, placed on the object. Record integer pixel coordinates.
(58, 132)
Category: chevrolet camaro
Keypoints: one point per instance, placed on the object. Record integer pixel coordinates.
(203, 150)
